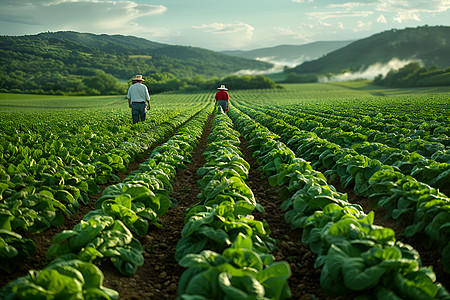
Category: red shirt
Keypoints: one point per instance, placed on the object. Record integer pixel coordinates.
(222, 95)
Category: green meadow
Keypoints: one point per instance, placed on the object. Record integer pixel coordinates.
(311, 92)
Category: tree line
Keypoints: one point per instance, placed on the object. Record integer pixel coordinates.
(415, 75)
(162, 82)
(97, 82)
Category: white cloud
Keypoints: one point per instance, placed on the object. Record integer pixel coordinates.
(233, 35)
(381, 19)
(222, 28)
(339, 14)
(287, 31)
(81, 15)
(307, 31)
(407, 15)
(417, 5)
(412, 10)
(401, 10)
(348, 5)
(325, 24)
(360, 26)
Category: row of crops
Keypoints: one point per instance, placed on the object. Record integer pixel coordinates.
(396, 156)
(221, 242)
(225, 250)
(357, 257)
(47, 175)
(411, 187)
(49, 171)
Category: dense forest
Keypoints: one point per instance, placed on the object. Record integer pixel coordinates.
(80, 63)
(158, 83)
(415, 75)
(428, 44)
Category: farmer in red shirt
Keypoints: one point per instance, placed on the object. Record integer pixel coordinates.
(222, 98)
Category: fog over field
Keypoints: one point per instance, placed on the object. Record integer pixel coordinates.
(371, 72)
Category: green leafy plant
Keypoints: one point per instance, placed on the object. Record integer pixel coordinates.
(14, 249)
(238, 273)
(216, 227)
(71, 279)
(100, 237)
(356, 255)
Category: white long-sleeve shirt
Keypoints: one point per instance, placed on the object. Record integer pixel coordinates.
(138, 93)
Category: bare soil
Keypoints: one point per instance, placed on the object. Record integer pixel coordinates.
(158, 277)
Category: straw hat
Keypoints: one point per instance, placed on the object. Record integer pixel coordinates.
(138, 78)
(222, 87)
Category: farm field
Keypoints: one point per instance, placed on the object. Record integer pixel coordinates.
(313, 191)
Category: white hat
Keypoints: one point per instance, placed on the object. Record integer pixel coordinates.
(222, 87)
(138, 78)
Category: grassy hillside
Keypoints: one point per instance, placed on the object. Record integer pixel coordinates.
(431, 45)
(197, 61)
(61, 60)
(107, 43)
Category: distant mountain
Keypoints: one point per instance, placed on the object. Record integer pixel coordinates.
(118, 55)
(107, 43)
(290, 55)
(430, 45)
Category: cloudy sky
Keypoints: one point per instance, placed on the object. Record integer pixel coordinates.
(223, 25)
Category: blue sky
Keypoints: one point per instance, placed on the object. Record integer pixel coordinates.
(223, 25)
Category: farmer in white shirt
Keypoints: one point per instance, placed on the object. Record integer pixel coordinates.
(137, 97)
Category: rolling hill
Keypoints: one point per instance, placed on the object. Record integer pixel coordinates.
(118, 55)
(290, 55)
(430, 45)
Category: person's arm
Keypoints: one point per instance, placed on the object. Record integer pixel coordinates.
(129, 97)
(147, 97)
(228, 98)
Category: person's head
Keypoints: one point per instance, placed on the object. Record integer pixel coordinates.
(222, 88)
(138, 78)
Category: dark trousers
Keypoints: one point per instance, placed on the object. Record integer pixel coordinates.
(223, 104)
(138, 111)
